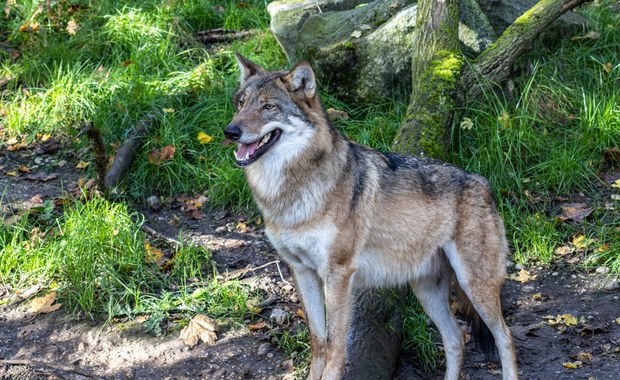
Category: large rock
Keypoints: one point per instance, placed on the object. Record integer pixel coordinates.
(362, 50)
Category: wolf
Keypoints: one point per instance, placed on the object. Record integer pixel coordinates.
(343, 216)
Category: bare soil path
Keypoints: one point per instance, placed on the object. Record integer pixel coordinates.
(60, 346)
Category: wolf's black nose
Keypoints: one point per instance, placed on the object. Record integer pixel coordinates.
(232, 132)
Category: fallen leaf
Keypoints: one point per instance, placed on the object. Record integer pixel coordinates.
(591, 35)
(12, 173)
(572, 365)
(204, 138)
(356, 34)
(300, 313)
(257, 326)
(72, 27)
(617, 321)
(168, 110)
(537, 296)
(616, 184)
(335, 114)
(159, 156)
(241, 227)
(12, 141)
(253, 306)
(561, 319)
(82, 165)
(154, 255)
(45, 304)
(522, 276)
(576, 212)
(23, 169)
(141, 319)
(564, 250)
(581, 242)
(16, 146)
(608, 67)
(200, 201)
(41, 176)
(583, 356)
(201, 327)
(467, 123)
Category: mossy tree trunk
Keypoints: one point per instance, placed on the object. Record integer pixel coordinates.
(436, 69)
(495, 62)
(440, 82)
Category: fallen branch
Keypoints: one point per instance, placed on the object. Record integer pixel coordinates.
(158, 235)
(495, 62)
(214, 36)
(56, 366)
(125, 154)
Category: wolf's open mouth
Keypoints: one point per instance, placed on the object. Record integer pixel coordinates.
(249, 153)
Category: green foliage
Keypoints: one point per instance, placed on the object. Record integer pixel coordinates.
(94, 256)
(550, 140)
(419, 334)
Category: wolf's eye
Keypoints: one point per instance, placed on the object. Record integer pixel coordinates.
(269, 106)
(241, 102)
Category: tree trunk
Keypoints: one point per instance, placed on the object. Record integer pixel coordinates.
(373, 345)
(495, 62)
(436, 68)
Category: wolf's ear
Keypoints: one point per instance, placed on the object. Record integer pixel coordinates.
(302, 78)
(247, 68)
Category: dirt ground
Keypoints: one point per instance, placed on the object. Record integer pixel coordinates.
(60, 346)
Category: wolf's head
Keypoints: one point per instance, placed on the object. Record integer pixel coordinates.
(274, 112)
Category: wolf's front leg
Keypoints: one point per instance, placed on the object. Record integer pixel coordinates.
(338, 303)
(310, 289)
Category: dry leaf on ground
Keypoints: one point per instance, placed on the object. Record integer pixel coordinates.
(45, 304)
(201, 327)
(522, 276)
(576, 212)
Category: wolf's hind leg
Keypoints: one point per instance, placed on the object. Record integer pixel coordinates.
(433, 293)
(483, 291)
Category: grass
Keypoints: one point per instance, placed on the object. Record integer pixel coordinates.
(545, 143)
(99, 262)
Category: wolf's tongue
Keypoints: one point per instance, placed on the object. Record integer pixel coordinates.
(244, 149)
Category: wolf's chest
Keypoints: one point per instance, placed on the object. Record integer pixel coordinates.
(307, 248)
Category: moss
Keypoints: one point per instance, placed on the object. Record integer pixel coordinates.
(446, 66)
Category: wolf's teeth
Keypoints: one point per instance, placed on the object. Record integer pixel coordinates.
(247, 156)
(263, 141)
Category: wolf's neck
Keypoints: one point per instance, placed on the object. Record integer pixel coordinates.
(294, 191)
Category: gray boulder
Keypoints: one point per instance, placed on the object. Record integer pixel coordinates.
(362, 50)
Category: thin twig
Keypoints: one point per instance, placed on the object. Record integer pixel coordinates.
(57, 366)
(172, 241)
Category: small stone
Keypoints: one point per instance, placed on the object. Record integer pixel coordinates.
(519, 266)
(154, 202)
(279, 316)
(287, 365)
(602, 270)
(220, 229)
(270, 355)
(612, 284)
(554, 273)
(263, 349)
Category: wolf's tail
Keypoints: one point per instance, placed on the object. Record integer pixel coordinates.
(480, 332)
